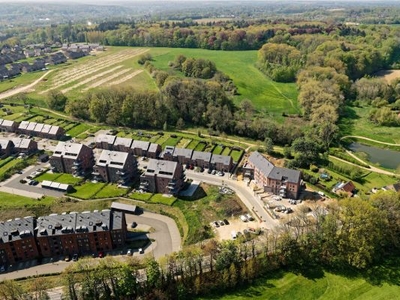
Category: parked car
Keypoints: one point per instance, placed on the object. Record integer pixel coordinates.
(222, 223)
(220, 173)
(2, 269)
(243, 218)
(209, 171)
(249, 217)
(101, 254)
(67, 258)
(141, 251)
(213, 172)
(216, 224)
(129, 252)
(75, 257)
(133, 225)
(226, 222)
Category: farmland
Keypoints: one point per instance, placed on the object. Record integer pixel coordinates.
(265, 94)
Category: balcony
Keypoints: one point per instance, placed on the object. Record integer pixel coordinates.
(121, 173)
(95, 173)
(77, 163)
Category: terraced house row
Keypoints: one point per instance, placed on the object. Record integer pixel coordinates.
(71, 233)
(33, 129)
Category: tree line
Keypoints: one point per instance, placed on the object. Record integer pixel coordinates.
(349, 234)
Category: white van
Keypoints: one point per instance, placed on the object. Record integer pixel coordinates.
(234, 234)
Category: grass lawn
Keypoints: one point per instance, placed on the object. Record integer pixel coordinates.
(160, 199)
(20, 80)
(325, 285)
(205, 206)
(48, 176)
(356, 123)
(192, 145)
(183, 142)
(111, 190)
(87, 190)
(140, 196)
(226, 151)
(171, 141)
(236, 155)
(200, 146)
(10, 164)
(10, 200)
(77, 130)
(218, 149)
(266, 95)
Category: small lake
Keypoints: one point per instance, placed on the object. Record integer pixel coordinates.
(386, 158)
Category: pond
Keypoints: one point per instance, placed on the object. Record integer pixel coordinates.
(386, 158)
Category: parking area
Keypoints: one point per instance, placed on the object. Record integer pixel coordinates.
(235, 227)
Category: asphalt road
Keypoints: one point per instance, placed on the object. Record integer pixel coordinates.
(166, 233)
(241, 189)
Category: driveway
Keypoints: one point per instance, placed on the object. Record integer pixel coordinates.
(13, 186)
(166, 233)
(248, 197)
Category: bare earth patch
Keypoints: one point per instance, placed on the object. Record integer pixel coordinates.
(388, 75)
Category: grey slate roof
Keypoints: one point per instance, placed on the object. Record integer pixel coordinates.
(263, 164)
(21, 143)
(161, 168)
(271, 171)
(4, 143)
(16, 229)
(113, 159)
(225, 160)
(123, 142)
(140, 144)
(105, 138)
(206, 156)
(289, 175)
(187, 153)
(153, 147)
(68, 150)
(96, 221)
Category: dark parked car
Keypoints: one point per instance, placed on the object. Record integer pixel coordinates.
(226, 222)
(75, 257)
(133, 225)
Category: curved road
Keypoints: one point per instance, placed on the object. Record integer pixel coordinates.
(368, 139)
(24, 88)
(245, 194)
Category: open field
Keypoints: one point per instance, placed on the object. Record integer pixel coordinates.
(273, 97)
(356, 122)
(11, 201)
(388, 75)
(321, 285)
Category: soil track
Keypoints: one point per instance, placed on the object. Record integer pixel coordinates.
(90, 69)
(22, 89)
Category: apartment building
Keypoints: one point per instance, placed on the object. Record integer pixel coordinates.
(115, 166)
(17, 240)
(161, 176)
(280, 181)
(72, 158)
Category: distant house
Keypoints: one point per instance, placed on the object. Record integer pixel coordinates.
(72, 158)
(140, 148)
(6, 148)
(122, 144)
(221, 162)
(154, 151)
(279, 181)
(344, 188)
(7, 125)
(42, 130)
(105, 141)
(167, 154)
(115, 166)
(26, 146)
(56, 58)
(392, 187)
(201, 159)
(183, 156)
(166, 177)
